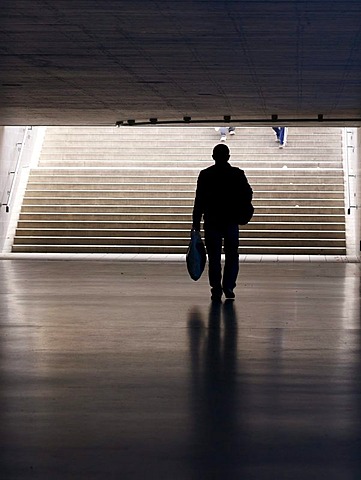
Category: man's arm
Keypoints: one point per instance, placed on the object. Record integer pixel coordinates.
(246, 189)
(198, 208)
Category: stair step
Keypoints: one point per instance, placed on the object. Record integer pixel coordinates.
(35, 188)
(192, 154)
(248, 166)
(75, 189)
(171, 192)
(23, 225)
(144, 217)
(116, 175)
(161, 209)
(172, 241)
(159, 249)
(174, 233)
(173, 201)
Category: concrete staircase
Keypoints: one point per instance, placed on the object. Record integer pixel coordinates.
(131, 190)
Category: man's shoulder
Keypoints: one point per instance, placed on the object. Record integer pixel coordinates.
(213, 170)
(216, 168)
(207, 171)
(237, 170)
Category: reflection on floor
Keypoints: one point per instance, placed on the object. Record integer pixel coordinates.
(126, 370)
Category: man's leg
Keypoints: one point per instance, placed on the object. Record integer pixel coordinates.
(283, 137)
(277, 133)
(231, 265)
(223, 131)
(213, 241)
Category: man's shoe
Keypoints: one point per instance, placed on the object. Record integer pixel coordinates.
(229, 294)
(216, 294)
(216, 298)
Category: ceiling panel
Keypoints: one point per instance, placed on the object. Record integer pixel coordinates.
(96, 62)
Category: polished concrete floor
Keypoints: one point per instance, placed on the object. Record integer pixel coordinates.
(125, 370)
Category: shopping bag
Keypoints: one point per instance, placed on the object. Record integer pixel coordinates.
(246, 213)
(196, 256)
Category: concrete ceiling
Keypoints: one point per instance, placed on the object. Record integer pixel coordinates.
(80, 62)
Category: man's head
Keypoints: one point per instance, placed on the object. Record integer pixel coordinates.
(221, 153)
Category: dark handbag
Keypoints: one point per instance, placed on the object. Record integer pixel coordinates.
(245, 214)
(196, 256)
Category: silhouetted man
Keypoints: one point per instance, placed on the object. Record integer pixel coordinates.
(221, 190)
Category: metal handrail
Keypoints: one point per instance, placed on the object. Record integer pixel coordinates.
(348, 174)
(15, 172)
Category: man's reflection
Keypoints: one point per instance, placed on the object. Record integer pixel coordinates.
(217, 450)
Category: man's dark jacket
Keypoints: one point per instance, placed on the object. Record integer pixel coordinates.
(221, 192)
